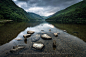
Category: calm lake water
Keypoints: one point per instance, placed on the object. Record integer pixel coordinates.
(68, 44)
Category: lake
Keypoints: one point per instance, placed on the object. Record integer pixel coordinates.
(68, 44)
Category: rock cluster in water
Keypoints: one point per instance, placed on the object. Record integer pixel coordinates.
(38, 46)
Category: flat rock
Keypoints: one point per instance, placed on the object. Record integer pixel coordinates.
(30, 32)
(26, 35)
(55, 34)
(45, 36)
(38, 46)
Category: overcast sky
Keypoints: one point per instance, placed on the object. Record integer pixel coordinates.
(44, 7)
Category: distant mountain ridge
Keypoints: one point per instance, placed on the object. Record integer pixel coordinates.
(45, 17)
(34, 16)
(73, 14)
(10, 11)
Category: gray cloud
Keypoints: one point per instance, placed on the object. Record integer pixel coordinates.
(47, 6)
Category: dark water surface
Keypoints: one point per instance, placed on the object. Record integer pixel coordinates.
(9, 31)
(67, 45)
(78, 30)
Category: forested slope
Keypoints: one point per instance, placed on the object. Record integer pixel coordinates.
(73, 14)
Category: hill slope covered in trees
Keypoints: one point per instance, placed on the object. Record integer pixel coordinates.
(73, 14)
(10, 11)
(34, 16)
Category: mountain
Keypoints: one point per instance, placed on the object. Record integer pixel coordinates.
(46, 17)
(34, 16)
(72, 14)
(10, 11)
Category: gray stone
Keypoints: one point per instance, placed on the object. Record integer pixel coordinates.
(55, 34)
(38, 46)
(45, 36)
(27, 35)
(30, 32)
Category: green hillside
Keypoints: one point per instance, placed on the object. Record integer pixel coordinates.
(73, 14)
(9, 11)
(34, 16)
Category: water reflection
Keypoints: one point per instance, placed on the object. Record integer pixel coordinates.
(25, 40)
(74, 29)
(63, 44)
(9, 31)
(54, 45)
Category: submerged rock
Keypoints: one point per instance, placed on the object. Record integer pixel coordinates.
(38, 46)
(54, 43)
(35, 37)
(45, 36)
(58, 33)
(16, 48)
(49, 29)
(42, 30)
(19, 47)
(13, 50)
(27, 35)
(55, 34)
(18, 39)
(25, 40)
(30, 32)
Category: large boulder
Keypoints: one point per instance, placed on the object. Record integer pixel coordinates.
(30, 32)
(38, 46)
(26, 35)
(45, 36)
